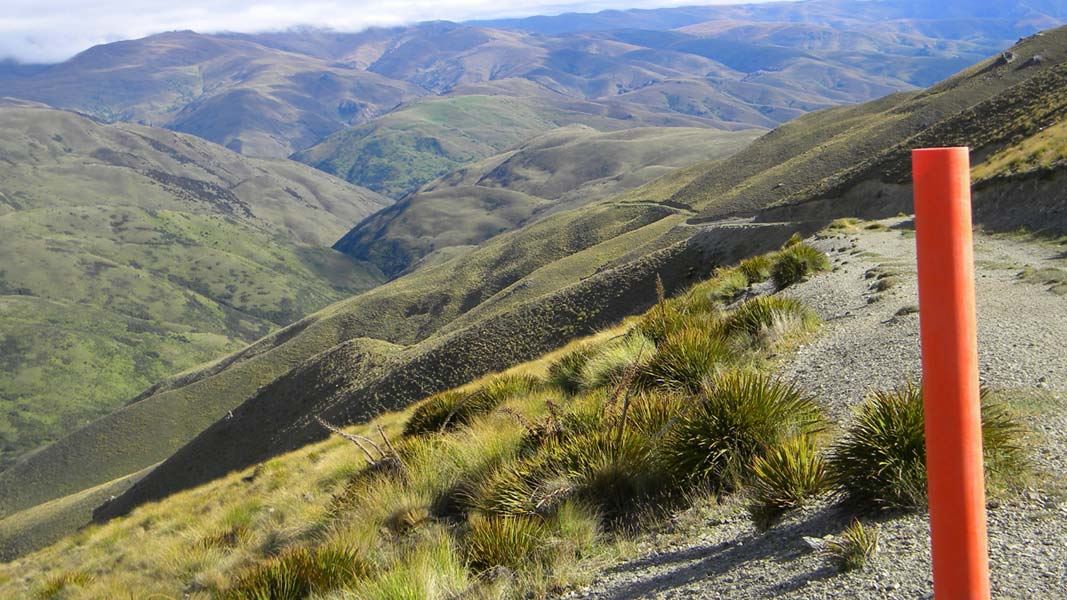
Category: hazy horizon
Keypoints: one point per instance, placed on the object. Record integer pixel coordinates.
(30, 35)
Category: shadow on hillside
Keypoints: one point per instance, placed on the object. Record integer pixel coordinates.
(781, 544)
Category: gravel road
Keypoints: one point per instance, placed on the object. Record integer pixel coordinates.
(870, 341)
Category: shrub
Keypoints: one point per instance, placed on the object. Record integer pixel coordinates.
(513, 542)
(881, 459)
(566, 372)
(297, 573)
(785, 478)
(685, 359)
(855, 548)
(770, 318)
(795, 263)
(607, 366)
(738, 417)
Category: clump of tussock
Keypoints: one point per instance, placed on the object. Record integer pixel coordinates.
(55, 585)
(795, 263)
(880, 461)
(435, 413)
(514, 542)
(738, 417)
(686, 358)
(607, 367)
(785, 478)
(855, 548)
(757, 268)
(770, 318)
(454, 408)
(565, 373)
(297, 573)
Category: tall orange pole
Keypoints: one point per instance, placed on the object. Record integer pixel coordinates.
(948, 330)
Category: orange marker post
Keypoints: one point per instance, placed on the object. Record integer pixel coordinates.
(948, 331)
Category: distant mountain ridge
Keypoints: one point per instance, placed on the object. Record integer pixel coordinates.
(346, 99)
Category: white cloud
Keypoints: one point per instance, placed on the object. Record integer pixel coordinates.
(36, 31)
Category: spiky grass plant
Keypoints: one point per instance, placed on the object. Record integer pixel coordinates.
(855, 548)
(614, 470)
(770, 318)
(454, 408)
(565, 373)
(297, 573)
(785, 478)
(435, 413)
(795, 263)
(55, 585)
(431, 569)
(756, 269)
(607, 367)
(738, 416)
(515, 542)
(880, 462)
(686, 358)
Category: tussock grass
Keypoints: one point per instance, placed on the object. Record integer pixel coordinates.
(881, 459)
(770, 319)
(855, 548)
(454, 408)
(55, 585)
(795, 263)
(297, 573)
(607, 367)
(756, 269)
(565, 372)
(686, 358)
(738, 417)
(515, 542)
(785, 478)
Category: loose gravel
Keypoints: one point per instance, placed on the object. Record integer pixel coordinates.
(870, 341)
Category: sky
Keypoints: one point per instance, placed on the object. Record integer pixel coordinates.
(54, 30)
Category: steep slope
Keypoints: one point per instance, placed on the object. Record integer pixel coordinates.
(562, 169)
(527, 291)
(274, 420)
(134, 253)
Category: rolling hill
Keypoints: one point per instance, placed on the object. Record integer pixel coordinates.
(565, 168)
(527, 291)
(134, 253)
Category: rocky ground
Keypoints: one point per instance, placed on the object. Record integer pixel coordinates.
(870, 341)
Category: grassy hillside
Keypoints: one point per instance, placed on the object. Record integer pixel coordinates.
(814, 158)
(398, 153)
(562, 169)
(133, 254)
(488, 341)
(309, 509)
(522, 293)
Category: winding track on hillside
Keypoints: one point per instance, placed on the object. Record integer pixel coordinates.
(715, 552)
